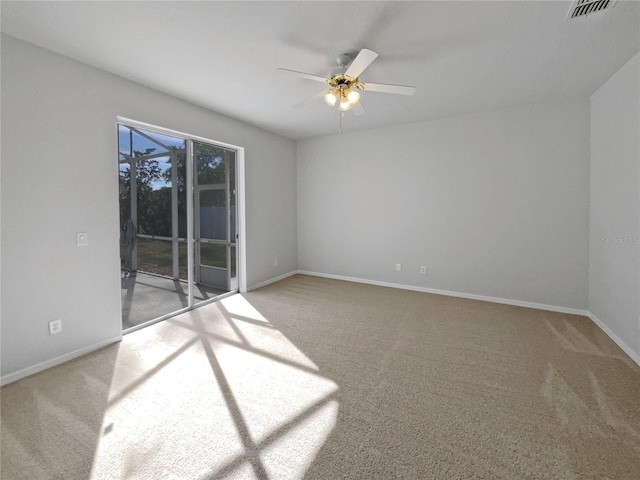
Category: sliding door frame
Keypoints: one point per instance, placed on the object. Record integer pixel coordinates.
(241, 250)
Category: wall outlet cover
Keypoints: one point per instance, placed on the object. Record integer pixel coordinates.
(55, 326)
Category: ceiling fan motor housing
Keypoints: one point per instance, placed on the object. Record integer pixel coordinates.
(342, 82)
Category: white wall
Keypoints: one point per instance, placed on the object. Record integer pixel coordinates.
(614, 267)
(494, 204)
(59, 177)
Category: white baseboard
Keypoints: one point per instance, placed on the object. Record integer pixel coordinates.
(472, 296)
(626, 348)
(12, 377)
(271, 280)
(25, 372)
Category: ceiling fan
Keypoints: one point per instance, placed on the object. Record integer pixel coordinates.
(344, 83)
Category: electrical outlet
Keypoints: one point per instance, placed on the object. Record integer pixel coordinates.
(55, 326)
(275, 262)
(423, 270)
(398, 267)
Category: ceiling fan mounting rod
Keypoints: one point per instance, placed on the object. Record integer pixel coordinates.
(343, 60)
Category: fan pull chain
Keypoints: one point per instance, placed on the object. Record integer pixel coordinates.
(341, 115)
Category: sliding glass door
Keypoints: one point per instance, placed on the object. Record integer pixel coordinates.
(158, 219)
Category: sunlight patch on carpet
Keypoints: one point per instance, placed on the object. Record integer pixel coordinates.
(214, 392)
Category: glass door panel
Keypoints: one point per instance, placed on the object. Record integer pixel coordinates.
(151, 173)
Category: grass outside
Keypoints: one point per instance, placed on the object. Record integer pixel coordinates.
(155, 256)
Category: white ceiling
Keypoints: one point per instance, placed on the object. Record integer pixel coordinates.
(463, 57)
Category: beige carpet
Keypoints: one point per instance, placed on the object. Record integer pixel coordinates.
(320, 379)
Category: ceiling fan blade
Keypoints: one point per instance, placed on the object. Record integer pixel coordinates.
(358, 109)
(308, 76)
(384, 88)
(362, 61)
(307, 100)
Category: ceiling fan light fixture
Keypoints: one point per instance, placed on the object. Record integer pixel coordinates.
(353, 97)
(344, 104)
(331, 98)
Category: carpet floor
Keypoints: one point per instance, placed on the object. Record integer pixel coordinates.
(312, 378)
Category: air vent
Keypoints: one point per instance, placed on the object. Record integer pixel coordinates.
(580, 8)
